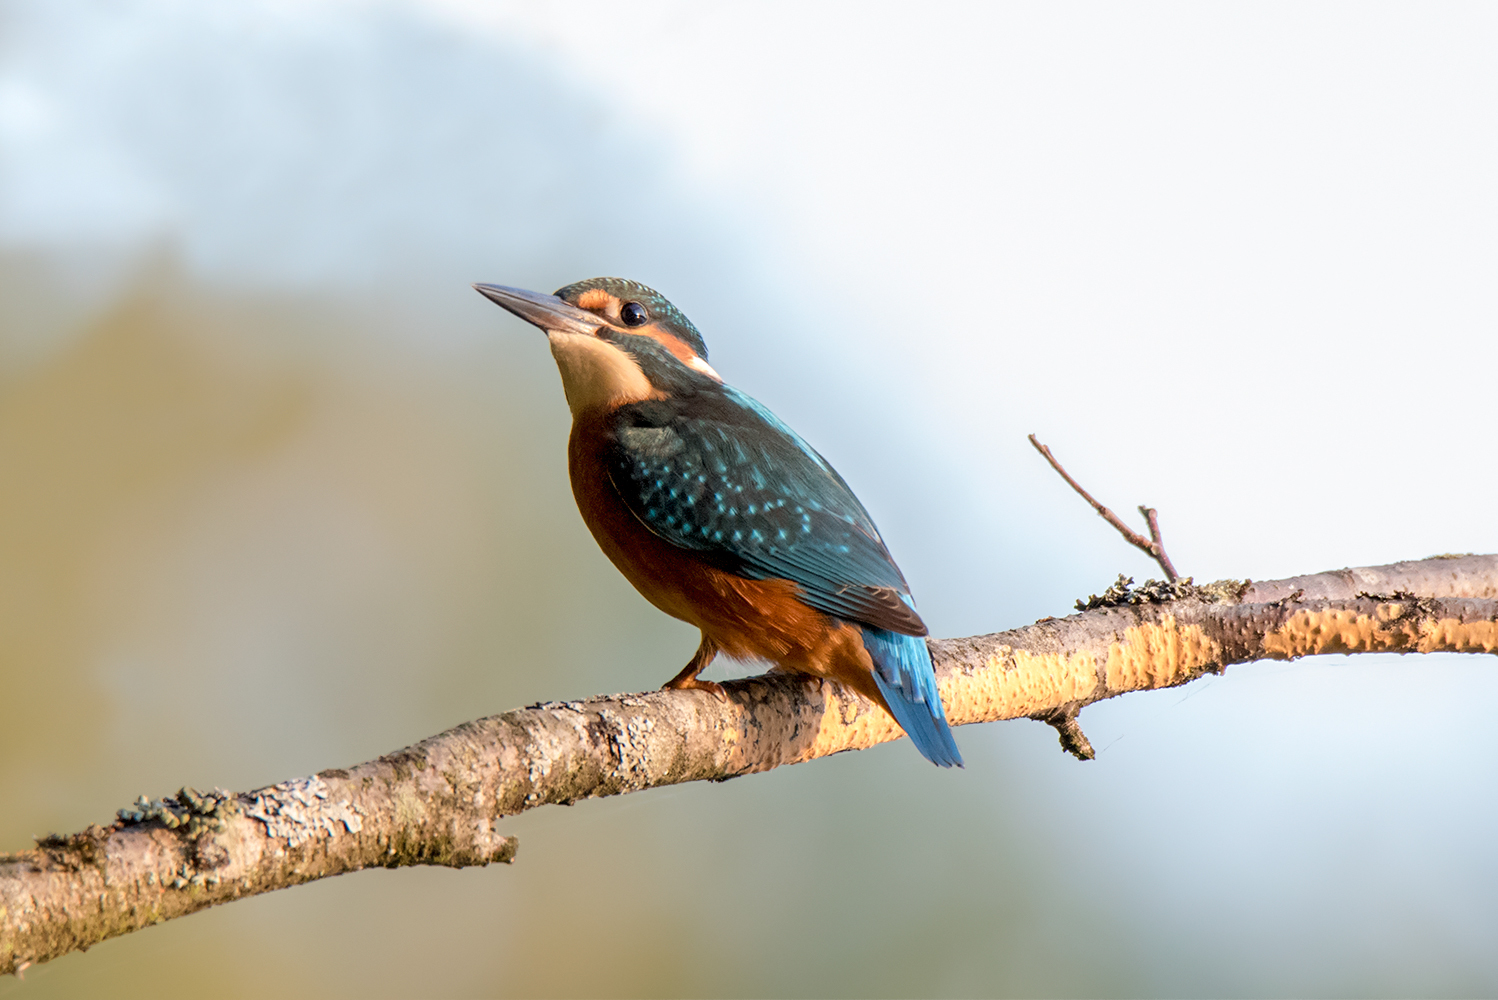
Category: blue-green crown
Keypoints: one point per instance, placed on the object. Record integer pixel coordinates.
(656, 305)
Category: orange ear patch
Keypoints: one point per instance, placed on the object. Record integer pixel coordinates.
(669, 341)
(679, 349)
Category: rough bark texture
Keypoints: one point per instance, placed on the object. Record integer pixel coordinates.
(438, 802)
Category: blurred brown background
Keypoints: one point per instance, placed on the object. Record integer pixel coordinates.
(278, 492)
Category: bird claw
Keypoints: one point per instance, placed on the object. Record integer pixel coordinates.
(694, 684)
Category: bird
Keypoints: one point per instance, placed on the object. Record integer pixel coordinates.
(720, 514)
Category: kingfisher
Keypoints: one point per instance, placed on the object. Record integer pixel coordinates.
(720, 515)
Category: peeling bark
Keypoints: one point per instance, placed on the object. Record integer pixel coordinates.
(438, 802)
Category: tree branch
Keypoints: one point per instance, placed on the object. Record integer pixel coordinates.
(438, 802)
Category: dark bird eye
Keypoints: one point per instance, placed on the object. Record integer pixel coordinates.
(633, 314)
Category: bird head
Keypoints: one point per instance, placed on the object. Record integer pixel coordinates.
(615, 341)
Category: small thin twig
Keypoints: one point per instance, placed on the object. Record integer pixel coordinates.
(1159, 545)
(1073, 740)
(1152, 546)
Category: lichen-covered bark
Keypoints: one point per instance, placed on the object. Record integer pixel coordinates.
(438, 802)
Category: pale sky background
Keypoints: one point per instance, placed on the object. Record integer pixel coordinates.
(1234, 261)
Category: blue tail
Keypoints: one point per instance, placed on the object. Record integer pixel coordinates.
(902, 669)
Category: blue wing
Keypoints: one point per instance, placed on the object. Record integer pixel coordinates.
(717, 473)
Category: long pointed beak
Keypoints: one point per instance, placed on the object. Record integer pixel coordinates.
(546, 311)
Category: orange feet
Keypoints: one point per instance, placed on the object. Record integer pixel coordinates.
(679, 683)
(687, 680)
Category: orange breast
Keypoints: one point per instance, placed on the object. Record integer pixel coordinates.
(762, 619)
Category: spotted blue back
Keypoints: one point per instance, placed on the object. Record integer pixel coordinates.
(715, 472)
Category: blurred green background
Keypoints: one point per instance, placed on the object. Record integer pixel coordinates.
(278, 492)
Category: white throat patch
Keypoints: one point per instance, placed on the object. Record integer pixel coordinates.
(595, 373)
